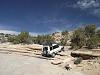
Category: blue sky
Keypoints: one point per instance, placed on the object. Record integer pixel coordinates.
(47, 16)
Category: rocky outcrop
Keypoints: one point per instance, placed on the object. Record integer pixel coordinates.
(85, 54)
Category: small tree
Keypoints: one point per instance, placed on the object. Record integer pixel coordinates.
(63, 41)
(86, 36)
(90, 30)
(65, 32)
(11, 39)
(98, 33)
(64, 38)
(23, 37)
(16, 40)
(44, 39)
(78, 39)
(92, 36)
(93, 42)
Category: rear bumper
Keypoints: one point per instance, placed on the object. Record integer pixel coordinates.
(46, 54)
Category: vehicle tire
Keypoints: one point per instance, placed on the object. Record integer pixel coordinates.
(44, 53)
(53, 55)
(63, 49)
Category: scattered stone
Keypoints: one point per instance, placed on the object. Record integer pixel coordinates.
(68, 67)
(56, 62)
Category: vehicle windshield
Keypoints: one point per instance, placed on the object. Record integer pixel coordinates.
(56, 46)
(45, 48)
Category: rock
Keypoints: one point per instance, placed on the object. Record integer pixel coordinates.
(56, 62)
(85, 54)
(62, 54)
(68, 67)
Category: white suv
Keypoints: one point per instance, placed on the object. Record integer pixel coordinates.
(51, 50)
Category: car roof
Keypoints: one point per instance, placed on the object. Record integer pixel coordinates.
(45, 46)
(54, 44)
(50, 45)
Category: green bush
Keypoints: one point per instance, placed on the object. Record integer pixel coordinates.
(44, 39)
(98, 33)
(93, 42)
(86, 36)
(23, 37)
(78, 60)
(11, 39)
(16, 40)
(63, 42)
(78, 39)
(90, 30)
(65, 32)
(65, 38)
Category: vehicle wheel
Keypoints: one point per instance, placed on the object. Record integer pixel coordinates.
(53, 55)
(63, 49)
(44, 53)
(60, 51)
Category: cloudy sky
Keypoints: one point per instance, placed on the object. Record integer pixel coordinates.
(47, 16)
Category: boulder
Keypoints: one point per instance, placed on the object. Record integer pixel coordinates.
(85, 54)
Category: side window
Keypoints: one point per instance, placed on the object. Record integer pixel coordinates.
(56, 46)
(45, 48)
(50, 48)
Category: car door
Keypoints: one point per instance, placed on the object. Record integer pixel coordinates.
(55, 48)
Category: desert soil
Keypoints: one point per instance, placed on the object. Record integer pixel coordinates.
(27, 60)
(12, 64)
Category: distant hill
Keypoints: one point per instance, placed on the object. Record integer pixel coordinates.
(58, 36)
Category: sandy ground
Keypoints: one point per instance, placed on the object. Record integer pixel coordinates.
(12, 64)
(27, 60)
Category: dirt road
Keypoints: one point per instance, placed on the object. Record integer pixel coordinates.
(12, 64)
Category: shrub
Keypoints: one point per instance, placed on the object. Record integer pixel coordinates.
(16, 40)
(64, 40)
(23, 37)
(65, 32)
(78, 39)
(44, 39)
(90, 30)
(86, 36)
(93, 42)
(78, 61)
(10, 39)
(98, 33)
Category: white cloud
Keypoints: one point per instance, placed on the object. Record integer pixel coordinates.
(90, 6)
(16, 33)
(84, 4)
(9, 32)
(34, 34)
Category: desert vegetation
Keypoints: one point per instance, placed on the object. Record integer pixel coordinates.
(87, 36)
(25, 38)
(65, 37)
